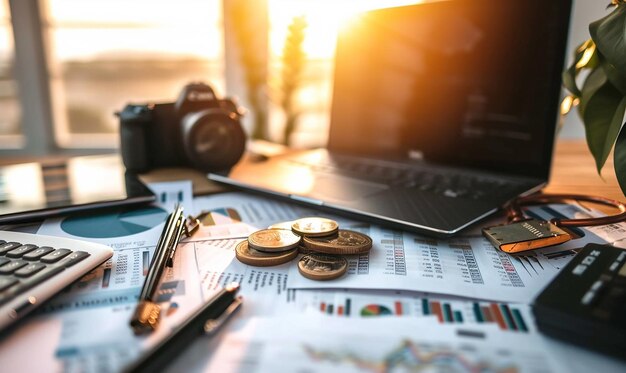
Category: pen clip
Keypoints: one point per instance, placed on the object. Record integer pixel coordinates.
(180, 228)
(192, 224)
(212, 326)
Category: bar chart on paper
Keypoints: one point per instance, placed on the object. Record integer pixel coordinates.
(511, 317)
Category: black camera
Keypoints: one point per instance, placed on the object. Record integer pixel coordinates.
(198, 130)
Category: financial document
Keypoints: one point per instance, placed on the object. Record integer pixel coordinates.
(263, 288)
(443, 310)
(406, 283)
(237, 215)
(298, 344)
(91, 318)
(466, 266)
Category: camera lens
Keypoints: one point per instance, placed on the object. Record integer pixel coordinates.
(213, 139)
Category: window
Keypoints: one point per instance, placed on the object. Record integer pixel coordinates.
(106, 53)
(10, 128)
(312, 99)
(79, 62)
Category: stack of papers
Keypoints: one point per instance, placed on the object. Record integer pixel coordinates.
(411, 303)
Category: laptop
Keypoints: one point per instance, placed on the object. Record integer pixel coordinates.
(442, 112)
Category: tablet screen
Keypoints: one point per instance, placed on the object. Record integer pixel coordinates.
(31, 191)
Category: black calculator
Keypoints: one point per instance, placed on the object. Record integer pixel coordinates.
(586, 303)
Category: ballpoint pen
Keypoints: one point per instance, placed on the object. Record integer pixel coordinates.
(147, 314)
(205, 321)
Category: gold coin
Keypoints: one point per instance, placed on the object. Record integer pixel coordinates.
(273, 240)
(321, 267)
(281, 225)
(252, 257)
(345, 242)
(314, 227)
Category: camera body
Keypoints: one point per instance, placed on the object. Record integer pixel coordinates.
(198, 130)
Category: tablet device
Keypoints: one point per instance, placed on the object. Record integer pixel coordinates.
(34, 191)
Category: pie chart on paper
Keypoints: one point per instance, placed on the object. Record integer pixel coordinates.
(114, 224)
(375, 310)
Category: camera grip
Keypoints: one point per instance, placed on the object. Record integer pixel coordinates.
(134, 145)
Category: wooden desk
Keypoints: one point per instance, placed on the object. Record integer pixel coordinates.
(574, 171)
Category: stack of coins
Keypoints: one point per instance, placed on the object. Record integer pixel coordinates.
(319, 239)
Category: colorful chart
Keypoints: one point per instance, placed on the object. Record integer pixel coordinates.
(375, 310)
(114, 224)
(415, 357)
(510, 317)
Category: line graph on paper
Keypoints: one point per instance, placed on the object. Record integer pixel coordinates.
(412, 356)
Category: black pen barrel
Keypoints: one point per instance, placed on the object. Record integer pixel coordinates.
(160, 257)
(164, 353)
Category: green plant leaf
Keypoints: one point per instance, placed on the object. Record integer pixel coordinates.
(616, 77)
(609, 34)
(596, 79)
(569, 75)
(619, 157)
(585, 57)
(603, 115)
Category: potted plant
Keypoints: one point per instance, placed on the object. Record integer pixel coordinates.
(601, 99)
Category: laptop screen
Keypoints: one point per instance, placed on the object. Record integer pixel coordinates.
(462, 82)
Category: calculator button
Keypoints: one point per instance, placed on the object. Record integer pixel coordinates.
(9, 268)
(597, 285)
(36, 254)
(579, 269)
(588, 298)
(40, 276)
(9, 246)
(5, 282)
(73, 258)
(29, 270)
(16, 253)
(28, 283)
(56, 255)
(614, 266)
(4, 261)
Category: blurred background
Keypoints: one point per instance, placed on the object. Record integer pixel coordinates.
(66, 66)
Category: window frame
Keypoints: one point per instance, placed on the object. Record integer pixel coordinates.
(38, 96)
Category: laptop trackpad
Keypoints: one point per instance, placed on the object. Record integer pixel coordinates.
(343, 189)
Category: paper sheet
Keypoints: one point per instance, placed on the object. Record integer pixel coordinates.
(384, 304)
(94, 313)
(237, 215)
(296, 344)
(467, 266)
(264, 288)
(76, 342)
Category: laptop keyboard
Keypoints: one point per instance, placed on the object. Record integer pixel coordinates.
(457, 185)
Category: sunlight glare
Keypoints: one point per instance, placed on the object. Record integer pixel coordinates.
(324, 18)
